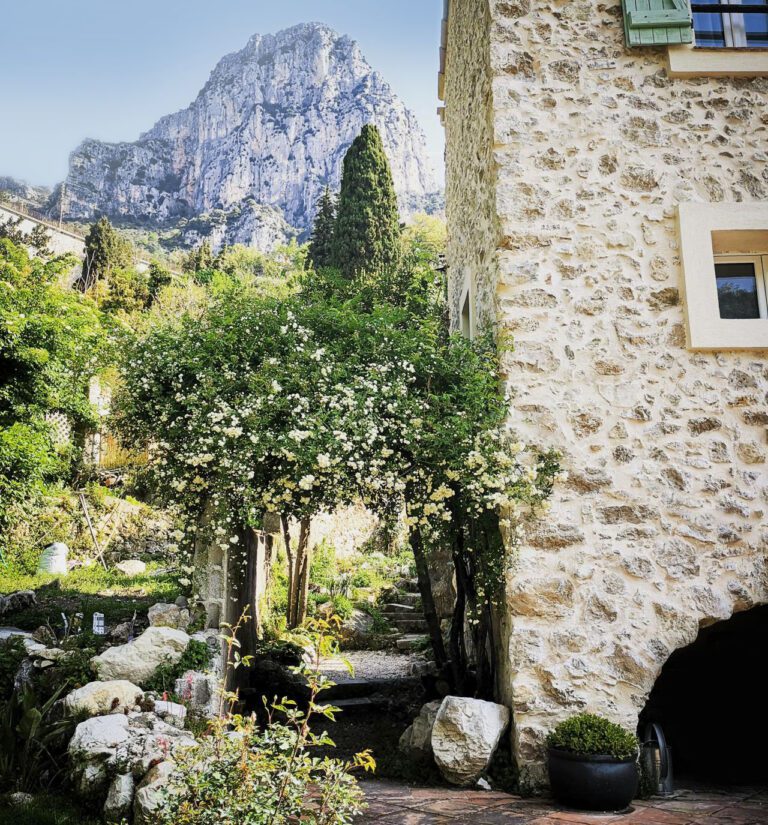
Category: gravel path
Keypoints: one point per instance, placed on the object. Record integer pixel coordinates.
(371, 664)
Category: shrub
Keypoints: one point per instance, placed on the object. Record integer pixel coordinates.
(342, 606)
(267, 775)
(196, 656)
(283, 651)
(32, 744)
(589, 735)
(12, 652)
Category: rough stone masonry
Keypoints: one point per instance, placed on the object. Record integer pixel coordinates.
(567, 154)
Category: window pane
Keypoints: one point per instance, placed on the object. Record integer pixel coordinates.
(737, 290)
(708, 27)
(756, 26)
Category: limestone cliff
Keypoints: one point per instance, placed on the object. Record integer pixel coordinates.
(270, 127)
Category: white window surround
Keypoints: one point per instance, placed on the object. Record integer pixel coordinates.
(708, 230)
(693, 61)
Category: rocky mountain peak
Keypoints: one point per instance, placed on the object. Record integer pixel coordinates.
(270, 127)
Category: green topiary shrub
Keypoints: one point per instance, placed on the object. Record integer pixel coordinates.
(589, 735)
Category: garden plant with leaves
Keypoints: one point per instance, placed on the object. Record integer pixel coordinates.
(266, 774)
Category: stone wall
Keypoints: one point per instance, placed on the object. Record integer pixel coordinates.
(473, 229)
(661, 527)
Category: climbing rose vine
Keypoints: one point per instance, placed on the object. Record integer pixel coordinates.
(302, 404)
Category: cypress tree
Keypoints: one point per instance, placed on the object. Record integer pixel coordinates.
(321, 243)
(105, 250)
(366, 236)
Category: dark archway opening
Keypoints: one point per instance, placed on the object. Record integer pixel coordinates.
(711, 699)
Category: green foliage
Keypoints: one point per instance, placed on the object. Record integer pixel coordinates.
(52, 341)
(83, 591)
(106, 251)
(380, 624)
(366, 237)
(158, 277)
(46, 809)
(342, 606)
(199, 259)
(424, 239)
(324, 570)
(590, 735)
(126, 292)
(32, 743)
(267, 775)
(37, 238)
(196, 656)
(284, 651)
(321, 244)
(12, 652)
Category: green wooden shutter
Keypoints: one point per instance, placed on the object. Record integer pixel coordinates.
(657, 22)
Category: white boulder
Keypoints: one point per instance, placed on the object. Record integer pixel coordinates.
(149, 794)
(465, 735)
(416, 741)
(357, 626)
(139, 659)
(92, 752)
(200, 692)
(101, 698)
(168, 615)
(131, 567)
(119, 798)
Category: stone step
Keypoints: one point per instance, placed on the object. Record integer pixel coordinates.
(410, 625)
(412, 641)
(348, 689)
(394, 607)
(401, 597)
(357, 705)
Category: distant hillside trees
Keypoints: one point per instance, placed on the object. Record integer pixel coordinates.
(36, 239)
(366, 236)
(106, 251)
(321, 243)
(199, 259)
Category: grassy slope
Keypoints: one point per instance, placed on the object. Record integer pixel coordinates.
(88, 590)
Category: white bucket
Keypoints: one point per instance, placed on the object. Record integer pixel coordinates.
(54, 559)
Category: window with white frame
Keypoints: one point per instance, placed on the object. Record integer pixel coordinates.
(741, 286)
(727, 26)
(724, 256)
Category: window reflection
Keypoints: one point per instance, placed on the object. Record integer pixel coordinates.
(737, 290)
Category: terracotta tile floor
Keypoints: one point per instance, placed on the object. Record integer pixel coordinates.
(390, 803)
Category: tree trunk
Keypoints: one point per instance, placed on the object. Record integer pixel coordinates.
(303, 570)
(244, 585)
(427, 598)
(291, 572)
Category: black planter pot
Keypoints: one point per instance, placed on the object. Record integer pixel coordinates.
(594, 783)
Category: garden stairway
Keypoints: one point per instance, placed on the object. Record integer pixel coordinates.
(403, 612)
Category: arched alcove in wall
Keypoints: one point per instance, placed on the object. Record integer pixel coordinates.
(711, 699)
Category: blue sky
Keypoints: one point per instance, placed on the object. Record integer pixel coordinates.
(109, 69)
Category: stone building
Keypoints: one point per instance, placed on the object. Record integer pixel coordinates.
(607, 201)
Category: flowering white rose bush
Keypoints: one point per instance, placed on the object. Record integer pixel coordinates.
(299, 405)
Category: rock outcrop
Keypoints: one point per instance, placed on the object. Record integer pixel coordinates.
(253, 153)
(139, 659)
(101, 698)
(168, 615)
(465, 735)
(416, 740)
